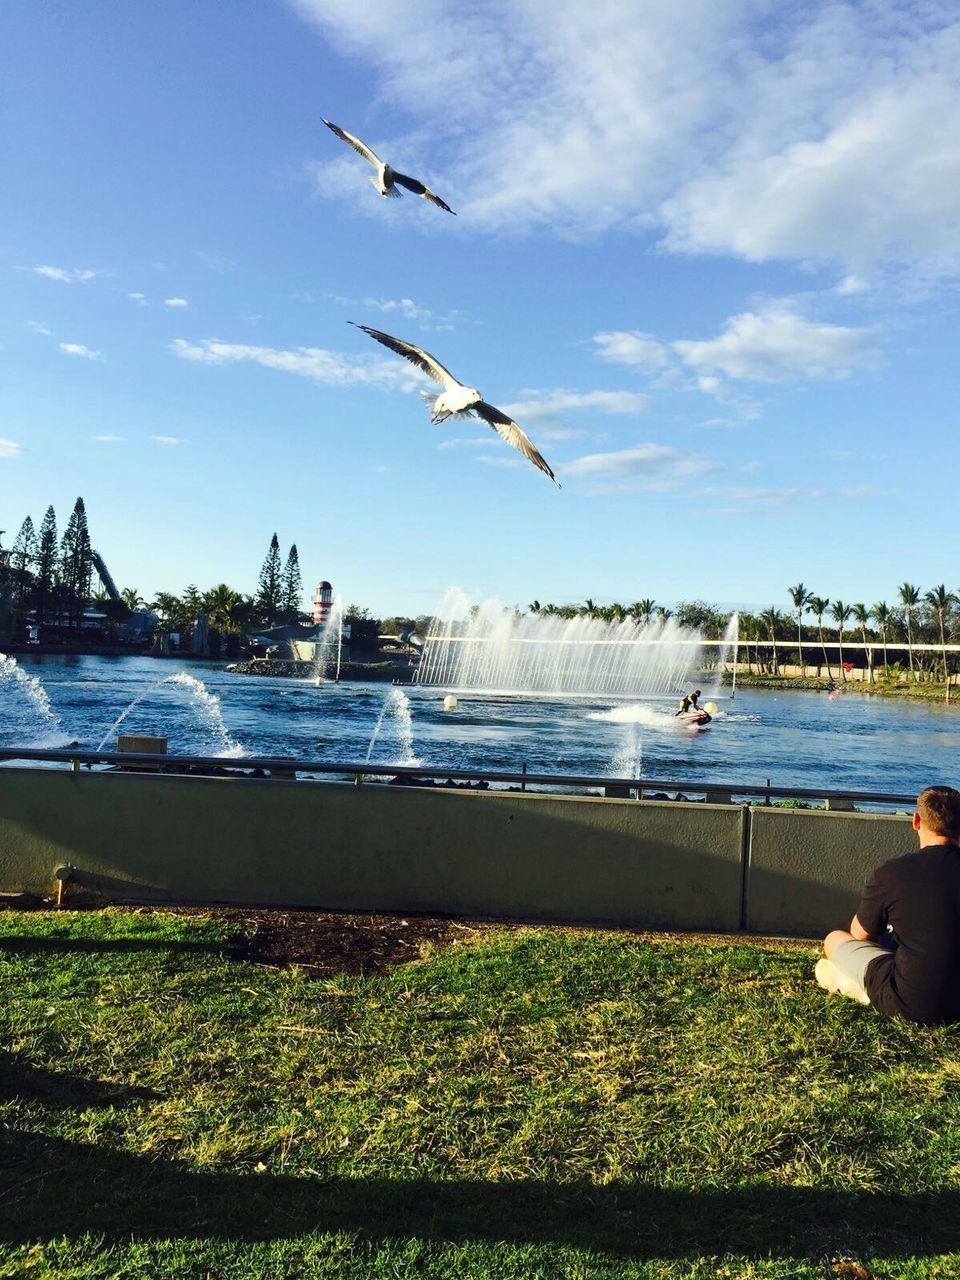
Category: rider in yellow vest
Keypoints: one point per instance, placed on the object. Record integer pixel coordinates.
(689, 700)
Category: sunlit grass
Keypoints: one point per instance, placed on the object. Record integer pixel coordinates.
(531, 1103)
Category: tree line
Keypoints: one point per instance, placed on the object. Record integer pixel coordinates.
(53, 580)
(917, 617)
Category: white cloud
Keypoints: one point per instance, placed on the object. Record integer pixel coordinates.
(78, 349)
(66, 275)
(9, 448)
(169, 440)
(406, 309)
(819, 131)
(138, 297)
(756, 501)
(324, 366)
(542, 404)
(630, 346)
(646, 468)
(774, 344)
(175, 302)
(37, 327)
(469, 442)
(109, 439)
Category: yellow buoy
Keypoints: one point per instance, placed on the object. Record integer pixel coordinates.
(710, 708)
(449, 703)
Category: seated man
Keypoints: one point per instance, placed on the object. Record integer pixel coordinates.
(902, 954)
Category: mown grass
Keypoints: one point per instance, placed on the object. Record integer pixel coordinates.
(540, 1103)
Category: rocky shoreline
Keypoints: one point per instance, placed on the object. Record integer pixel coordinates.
(295, 670)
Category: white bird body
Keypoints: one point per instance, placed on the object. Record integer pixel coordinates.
(387, 178)
(457, 400)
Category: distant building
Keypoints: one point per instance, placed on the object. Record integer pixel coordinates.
(322, 602)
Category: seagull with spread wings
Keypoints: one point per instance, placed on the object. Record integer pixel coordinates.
(459, 401)
(387, 178)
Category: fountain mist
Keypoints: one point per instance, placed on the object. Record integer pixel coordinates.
(497, 649)
(13, 676)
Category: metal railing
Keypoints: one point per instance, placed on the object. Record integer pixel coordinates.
(285, 767)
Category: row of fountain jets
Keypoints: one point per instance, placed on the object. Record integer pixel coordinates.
(49, 729)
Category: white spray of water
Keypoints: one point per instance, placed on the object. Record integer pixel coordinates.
(636, 713)
(629, 759)
(207, 703)
(397, 705)
(123, 714)
(30, 688)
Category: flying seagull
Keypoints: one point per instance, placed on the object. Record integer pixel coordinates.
(387, 178)
(459, 401)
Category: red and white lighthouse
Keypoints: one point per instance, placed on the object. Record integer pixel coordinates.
(322, 602)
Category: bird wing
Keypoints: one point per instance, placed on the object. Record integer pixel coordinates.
(416, 355)
(415, 185)
(358, 146)
(508, 430)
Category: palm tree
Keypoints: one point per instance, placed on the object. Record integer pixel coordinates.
(819, 605)
(617, 612)
(881, 615)
(588, 608)
(642, 610)
(166, 604)
(862, 615)
(801, 597)
(940, 600)
(132, 598)
(534, 606)
(771, 618)
(909, 598)
(662, 613)
(218, 603)
(840, 612)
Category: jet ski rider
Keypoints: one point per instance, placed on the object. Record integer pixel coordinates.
(689, 700)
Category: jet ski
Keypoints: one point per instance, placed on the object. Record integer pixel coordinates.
(697, 718)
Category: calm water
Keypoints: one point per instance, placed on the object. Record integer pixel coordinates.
(795, 739)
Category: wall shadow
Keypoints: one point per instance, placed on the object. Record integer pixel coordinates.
(50, 1187)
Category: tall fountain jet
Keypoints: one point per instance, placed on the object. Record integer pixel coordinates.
(500, 650)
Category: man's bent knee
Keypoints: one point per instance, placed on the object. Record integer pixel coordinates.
(835, 939)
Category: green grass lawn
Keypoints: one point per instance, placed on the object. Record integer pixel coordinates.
(533, 1103)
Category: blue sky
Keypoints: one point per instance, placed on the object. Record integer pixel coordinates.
(706, 255)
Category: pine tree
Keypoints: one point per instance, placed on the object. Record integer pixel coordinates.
(76, 561)
(46, 561)
(292, 586)
(270, 586)
(23, 555)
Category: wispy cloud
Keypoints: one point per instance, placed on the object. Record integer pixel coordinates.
(646, 468)
(631, 346)
(38, 327)
(138, 297)
(9, 448)
(548, 404)
(321, 365)
(109, 439)
(807, 138)
(175, 302)
(78, 349)
(66, 275)
(773, 343)
(469, 442)
(407, 310)
(169, 440)
(738, 501)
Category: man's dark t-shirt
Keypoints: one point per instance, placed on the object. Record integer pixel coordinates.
(918, 897)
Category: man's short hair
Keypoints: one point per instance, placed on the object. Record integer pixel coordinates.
(939, 810)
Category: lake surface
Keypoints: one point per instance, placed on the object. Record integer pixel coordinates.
(794, 739)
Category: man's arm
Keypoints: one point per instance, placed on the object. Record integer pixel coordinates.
(858, 931)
